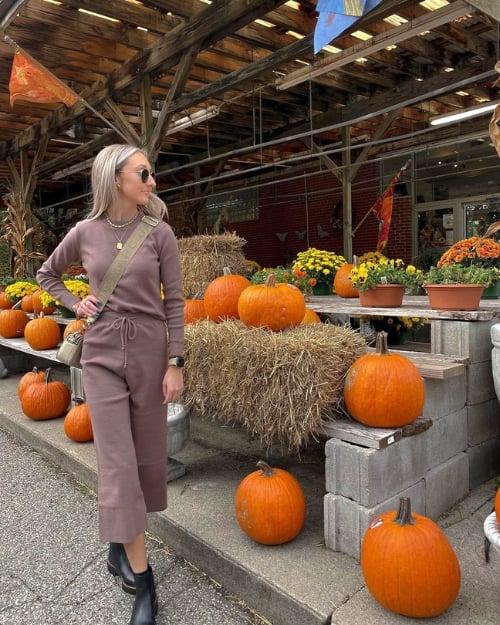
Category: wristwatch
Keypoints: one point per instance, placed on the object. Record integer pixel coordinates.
(176, 361)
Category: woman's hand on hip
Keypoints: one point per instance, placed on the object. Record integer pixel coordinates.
(173, 384)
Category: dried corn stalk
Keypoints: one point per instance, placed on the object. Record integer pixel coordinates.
(17, 233)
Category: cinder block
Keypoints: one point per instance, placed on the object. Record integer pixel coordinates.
(447, 437)
(480, 386)
(444, 397)
(469, 339)
(370, 476)
(346, 521)
(483, 422)
(484, 462)
(446, 484)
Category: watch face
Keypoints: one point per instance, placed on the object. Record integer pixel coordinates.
(177, 361)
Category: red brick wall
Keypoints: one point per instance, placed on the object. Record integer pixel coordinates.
(292, 207)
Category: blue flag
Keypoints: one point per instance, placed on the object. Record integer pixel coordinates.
(335, 16)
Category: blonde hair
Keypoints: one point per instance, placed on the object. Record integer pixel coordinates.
(103, 180)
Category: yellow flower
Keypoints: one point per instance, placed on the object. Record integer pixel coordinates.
(15, 292)
(318, 265)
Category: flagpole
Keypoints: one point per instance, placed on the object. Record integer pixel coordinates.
(11, 42)
(403, 169)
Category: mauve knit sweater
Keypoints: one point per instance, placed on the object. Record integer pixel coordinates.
(93, 243)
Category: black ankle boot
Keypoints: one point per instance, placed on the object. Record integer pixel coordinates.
(146, 602)
(118, 565)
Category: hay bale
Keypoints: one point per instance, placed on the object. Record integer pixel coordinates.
(277, 385)
(204, 257)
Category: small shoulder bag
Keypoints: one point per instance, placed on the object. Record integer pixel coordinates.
(70, 350)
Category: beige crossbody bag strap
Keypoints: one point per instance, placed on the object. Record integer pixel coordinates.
(124, 256)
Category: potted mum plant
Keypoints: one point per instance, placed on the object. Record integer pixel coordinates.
(457, 286)
(382, 282)
(318, 267)
(480, 252)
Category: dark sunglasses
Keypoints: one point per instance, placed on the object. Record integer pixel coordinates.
(143, 173)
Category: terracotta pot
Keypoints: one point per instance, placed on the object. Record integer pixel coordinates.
(383, 296)
(454, 296)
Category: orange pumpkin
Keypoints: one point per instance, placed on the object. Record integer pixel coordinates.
(28, 378)
(194, 310)
(384, 389)
(74, 326)
(409, 565)
(47, 399)
(272, 305)
(311, 316)
(497, 505)
(342, 284)
(77, 423)
(270, 505)
(12, 323)
(42, 333)
(27, 303)
(4, 302)
(38, 307)
(222, 294)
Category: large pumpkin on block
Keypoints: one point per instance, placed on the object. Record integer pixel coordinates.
(497, 505)
(270, 505)
(384, 389)
(222, 294)
(77, 423)
(42, 333)
(342, 284)
(12, 323)
(272, 305)
(47, 399)
(409, 565)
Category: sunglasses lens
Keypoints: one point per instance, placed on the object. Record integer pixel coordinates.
(144, 175)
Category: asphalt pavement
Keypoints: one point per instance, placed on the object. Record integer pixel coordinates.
(53, 568)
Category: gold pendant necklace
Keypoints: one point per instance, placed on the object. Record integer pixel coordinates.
(119, 244)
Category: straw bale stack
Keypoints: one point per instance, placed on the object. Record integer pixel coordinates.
(204, 257)
(277, 385)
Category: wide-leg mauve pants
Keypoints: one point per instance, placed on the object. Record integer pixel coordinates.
(123, 365)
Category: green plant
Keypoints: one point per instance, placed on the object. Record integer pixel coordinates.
(370, 274)
(457, 273)
(318, 266)
(283, 275)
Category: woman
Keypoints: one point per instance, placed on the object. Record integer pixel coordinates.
(131, 369)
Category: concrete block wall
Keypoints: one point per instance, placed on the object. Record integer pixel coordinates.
(436, 468)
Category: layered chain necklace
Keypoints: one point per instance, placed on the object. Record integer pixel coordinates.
(115, 227)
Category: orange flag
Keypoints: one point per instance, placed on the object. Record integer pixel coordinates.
(383, 210)
(31, 81)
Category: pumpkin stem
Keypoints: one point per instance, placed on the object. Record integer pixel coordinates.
(271, 280)
(48, 375)
(381, 343)
(266, 469)
(226, 271)
(403, 516)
